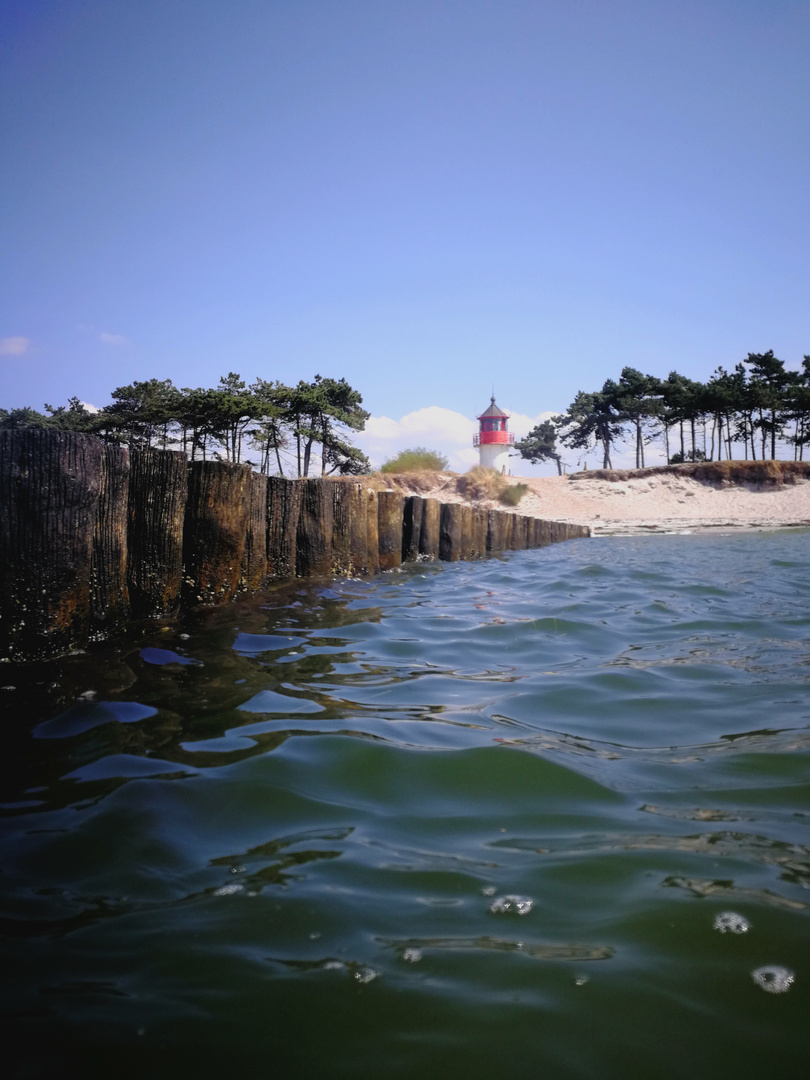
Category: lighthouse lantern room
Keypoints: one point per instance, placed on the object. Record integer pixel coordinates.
(492, 438)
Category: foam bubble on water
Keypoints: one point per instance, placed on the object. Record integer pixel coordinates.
(333, 965)
(580, 980)
(365, 974)
(511, 905)
(411, 955)
(488, 890)
(228, 890)
(238, 869)
(773, 979)
(729, 922)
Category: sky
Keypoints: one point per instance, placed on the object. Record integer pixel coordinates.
(430, 198)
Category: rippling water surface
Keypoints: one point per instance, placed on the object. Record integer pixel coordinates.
(545, 815)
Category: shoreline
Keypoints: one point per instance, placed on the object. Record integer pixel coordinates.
(648, 502)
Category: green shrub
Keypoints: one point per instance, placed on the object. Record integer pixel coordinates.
(417, 459)
(512, 495)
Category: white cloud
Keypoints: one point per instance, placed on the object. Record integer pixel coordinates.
(14, 346)
(112, 339)
(433, 421)
(522, 424)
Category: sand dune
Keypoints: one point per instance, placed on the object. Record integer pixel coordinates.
(643, 502)
(666, 503)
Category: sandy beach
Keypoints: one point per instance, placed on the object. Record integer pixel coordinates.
(666, 503)
(647, 503)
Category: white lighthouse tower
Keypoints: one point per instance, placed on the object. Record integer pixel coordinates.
(492, 439)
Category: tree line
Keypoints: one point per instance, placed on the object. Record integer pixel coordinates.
(749, 412)
(221, 422)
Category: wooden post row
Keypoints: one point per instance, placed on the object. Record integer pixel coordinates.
(390, 528)
(92, 535)
(217, 521)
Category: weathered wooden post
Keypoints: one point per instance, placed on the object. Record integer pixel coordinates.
(314, 541)
(505, 526)
(358, 552)
(429, 533)
(480, 532)
(466, 531)
(283, 510)
(527, 528)
(494, 532)
(109, 594)
(49, 490)
(518, 541)
(412, 513)
(254, 564)
(158, 489)
(216, 525)
(518, 535)
(373, 532)
(506, 530)
(389, 518)
(450, 532)
(342, 506)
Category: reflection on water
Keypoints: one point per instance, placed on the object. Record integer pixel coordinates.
(332, 831)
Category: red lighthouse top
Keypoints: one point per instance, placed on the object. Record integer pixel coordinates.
(492, 427)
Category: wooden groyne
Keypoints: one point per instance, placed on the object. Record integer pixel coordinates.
(93, 536)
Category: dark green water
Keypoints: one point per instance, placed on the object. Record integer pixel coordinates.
(269, 841)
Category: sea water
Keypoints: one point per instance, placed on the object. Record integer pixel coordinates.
(542, 815)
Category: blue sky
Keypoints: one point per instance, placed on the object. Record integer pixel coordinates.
(424, 197)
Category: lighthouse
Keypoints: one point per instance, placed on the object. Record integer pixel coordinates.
(492, 438)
